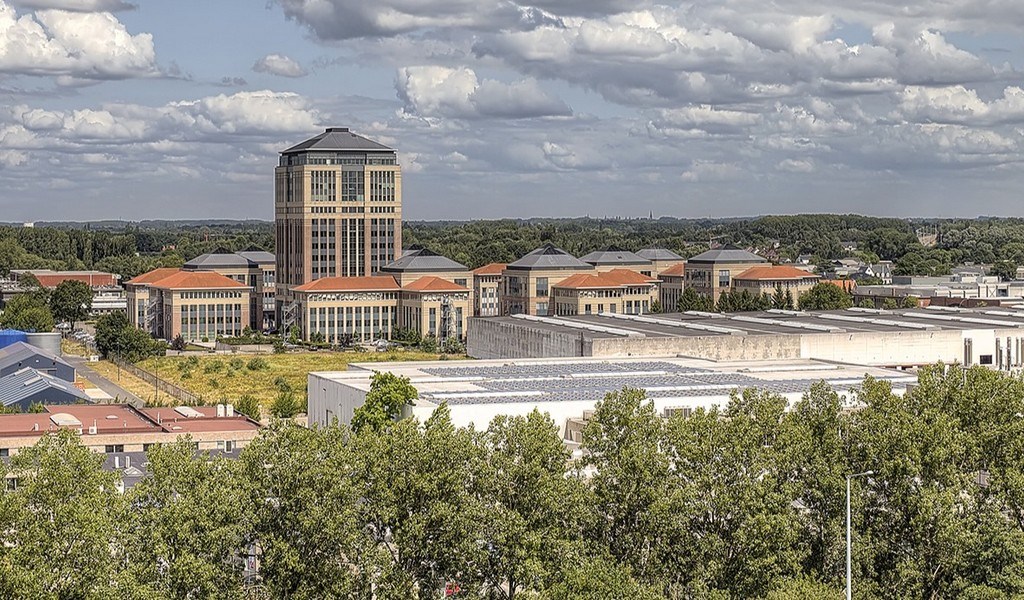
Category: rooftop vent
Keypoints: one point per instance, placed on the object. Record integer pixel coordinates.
(337, 130)
(188, 412)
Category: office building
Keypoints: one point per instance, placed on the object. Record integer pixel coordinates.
(613, 291)
(486, 285)
(338, 211)
(661, 260)
(711, 273)
(526, 283)
(670, 290)
(197, 305)
(760, 281)
(254, 268)
(617, 258)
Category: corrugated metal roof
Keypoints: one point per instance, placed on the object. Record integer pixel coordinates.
(19, 352)
(26, 383)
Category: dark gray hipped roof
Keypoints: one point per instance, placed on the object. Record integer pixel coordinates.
(338, 139)
(19, 352)
(225, 259)
(727, 254)
(658, 254)
(27, 383)
(421, 260)
(549, 257)
(614, 256)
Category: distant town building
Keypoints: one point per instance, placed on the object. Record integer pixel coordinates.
(338, 211)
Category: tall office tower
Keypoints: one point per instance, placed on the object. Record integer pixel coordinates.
(338, 211)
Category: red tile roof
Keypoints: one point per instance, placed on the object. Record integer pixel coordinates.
(154, 275)
(196, 280)
(609, 279)
(675, 270)
(491, 269)
(775, 272)
(351, 284)
(847, 285)
(434, 284)
(52, 280)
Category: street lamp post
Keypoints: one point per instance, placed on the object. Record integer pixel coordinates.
(849, 543)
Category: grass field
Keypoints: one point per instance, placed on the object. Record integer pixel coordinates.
(220, 378)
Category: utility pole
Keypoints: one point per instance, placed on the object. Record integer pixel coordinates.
(849, 542)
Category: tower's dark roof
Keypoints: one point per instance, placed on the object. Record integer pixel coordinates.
(338, 139)
(727, 254)
(422, 260)
(549, 257)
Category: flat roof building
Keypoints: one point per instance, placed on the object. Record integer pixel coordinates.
(568, 389)
(197, 305)
(904, 338)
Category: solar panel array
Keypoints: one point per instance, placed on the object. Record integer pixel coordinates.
(587, 382)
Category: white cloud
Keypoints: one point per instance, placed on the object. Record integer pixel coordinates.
(277, 64)
(434, 91)
(795, 165)
(76, 5)
(79, 45)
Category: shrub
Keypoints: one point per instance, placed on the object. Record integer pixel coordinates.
(258, 364)
(178, 343)
(282, 384)
(214, 383)
(192, 361)
(236, 363)
(186, 374)
(285, 406)
(279, 347)
(249, 406)
(214, 366)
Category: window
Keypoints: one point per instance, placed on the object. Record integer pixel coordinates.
(984, 359)
(542, 309)
(148, 447)
(12, 484)
(227, 446)
(111, 448)
(723, 278)
(586, 309)
(461, 282)
(5, 452)
(542, 287)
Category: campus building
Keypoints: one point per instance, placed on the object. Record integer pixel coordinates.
(712, 272)
(661, 260)
(197, 305)
(486, 283)
(767, 280)
(526, 283)
(614, 291)
(617, 258)
(338, 211)
(254, 268)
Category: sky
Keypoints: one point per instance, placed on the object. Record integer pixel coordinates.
(147, 109)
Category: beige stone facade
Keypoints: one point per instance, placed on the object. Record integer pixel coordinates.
(526, 283)
(253, 268)
(198, 306)
(338, 211)
(615, 291)
(671, 287)
(711, 273)
(486, 285)
(766, 280)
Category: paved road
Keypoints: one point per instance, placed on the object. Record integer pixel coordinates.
(81, 364)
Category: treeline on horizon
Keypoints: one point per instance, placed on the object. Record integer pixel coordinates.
(132, 248)
(746, 501)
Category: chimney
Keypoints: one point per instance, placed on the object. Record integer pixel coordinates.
(127, 461)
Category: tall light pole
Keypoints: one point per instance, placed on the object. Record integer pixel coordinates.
(849, 544)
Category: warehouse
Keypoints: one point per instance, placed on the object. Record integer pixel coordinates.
(568, 389)
(897, 338)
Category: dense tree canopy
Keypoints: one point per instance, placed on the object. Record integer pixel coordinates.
(741, 501)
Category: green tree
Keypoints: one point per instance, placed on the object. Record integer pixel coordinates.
(825, 296)
(184, 536)
(890, 304)
(301, 510)
(115, 336)
(632, 483)
(655, 307)
(71, 301)
(538, 512)
(599, 578)
(58, 525)
(388, 394)
(27, 312)
(1006, 270)
(691, 300)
